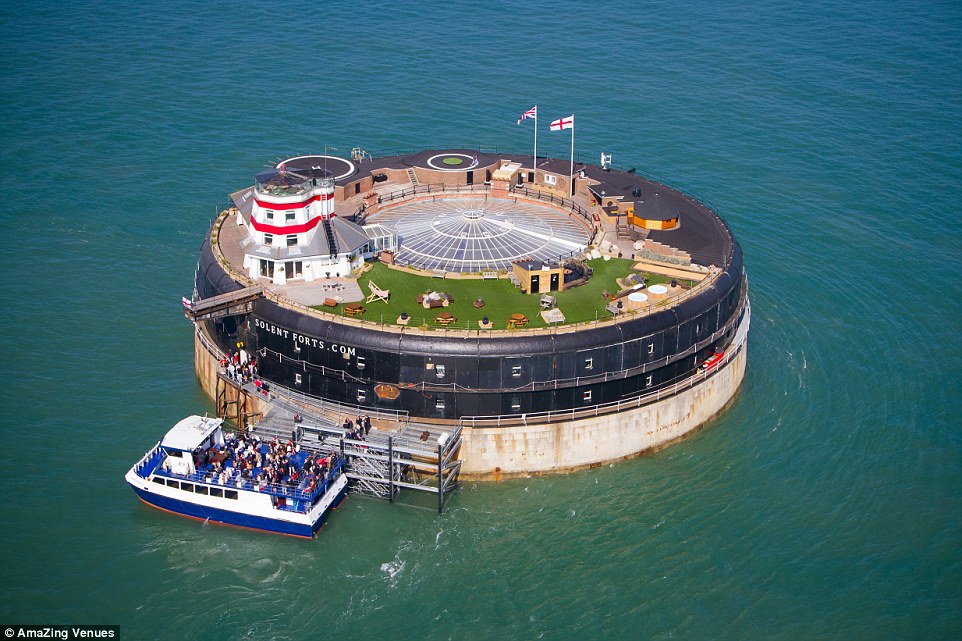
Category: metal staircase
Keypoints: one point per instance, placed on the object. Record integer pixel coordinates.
(374, 476)
(331, 239)
(413, 176)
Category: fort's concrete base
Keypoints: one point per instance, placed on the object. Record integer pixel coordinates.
(494, 453)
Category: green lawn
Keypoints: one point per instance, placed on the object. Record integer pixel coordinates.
(501, 298)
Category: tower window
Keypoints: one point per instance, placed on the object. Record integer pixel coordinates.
(586, 396)
(268, 214)
(589, 363)
(289, 215)
(297, 379)
(439, 404)
(516, 371)
(648, 380)
(361, 396)
(268, 239)
(440, 370)
(515, 404)
(292, 240)
(651, 348)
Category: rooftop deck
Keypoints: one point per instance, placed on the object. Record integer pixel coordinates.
(585, 304)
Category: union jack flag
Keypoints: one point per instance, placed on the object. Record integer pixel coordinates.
(530, 113)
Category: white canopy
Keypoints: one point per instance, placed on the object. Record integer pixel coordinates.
(190, 432)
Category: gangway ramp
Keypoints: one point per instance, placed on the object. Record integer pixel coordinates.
(394, 456)
(240, 301)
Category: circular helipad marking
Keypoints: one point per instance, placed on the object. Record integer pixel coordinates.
(340, 167)
(452, 162)
(472, 214)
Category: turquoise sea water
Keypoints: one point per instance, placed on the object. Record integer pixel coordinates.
(825, 504)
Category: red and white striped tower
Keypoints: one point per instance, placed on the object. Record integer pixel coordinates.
(290, 205)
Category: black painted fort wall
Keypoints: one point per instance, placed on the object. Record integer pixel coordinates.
(482, 375)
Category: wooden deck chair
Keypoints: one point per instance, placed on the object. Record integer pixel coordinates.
(377, 293)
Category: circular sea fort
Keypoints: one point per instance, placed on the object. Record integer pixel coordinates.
(557, 319)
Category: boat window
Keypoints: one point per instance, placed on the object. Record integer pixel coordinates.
(200, 489)
(157, 480)
(230, 494)
(187, 486)
(172, 483)
(216, 491)
(175, 453)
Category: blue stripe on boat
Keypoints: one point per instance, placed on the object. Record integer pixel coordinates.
(235, 518)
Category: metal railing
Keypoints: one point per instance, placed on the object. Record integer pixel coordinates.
(613, 407)
(281, 490)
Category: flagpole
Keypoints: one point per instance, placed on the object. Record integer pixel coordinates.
(571, 177)
(534, 163)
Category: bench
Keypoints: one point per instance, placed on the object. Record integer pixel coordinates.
(330, 302)
(489, 275)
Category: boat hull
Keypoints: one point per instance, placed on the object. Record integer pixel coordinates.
(228, 517)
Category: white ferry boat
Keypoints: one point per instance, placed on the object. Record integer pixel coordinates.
(198, 471)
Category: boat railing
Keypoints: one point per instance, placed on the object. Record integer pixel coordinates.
(150, 461)
(296, 494)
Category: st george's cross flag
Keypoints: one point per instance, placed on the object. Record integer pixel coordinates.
(530, 113)
(563, 123)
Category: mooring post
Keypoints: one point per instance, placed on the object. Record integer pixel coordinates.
(440, 479)
(390, 466)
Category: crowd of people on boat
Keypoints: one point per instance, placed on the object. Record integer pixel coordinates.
(268, 463)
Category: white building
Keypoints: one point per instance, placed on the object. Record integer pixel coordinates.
(293, 233)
